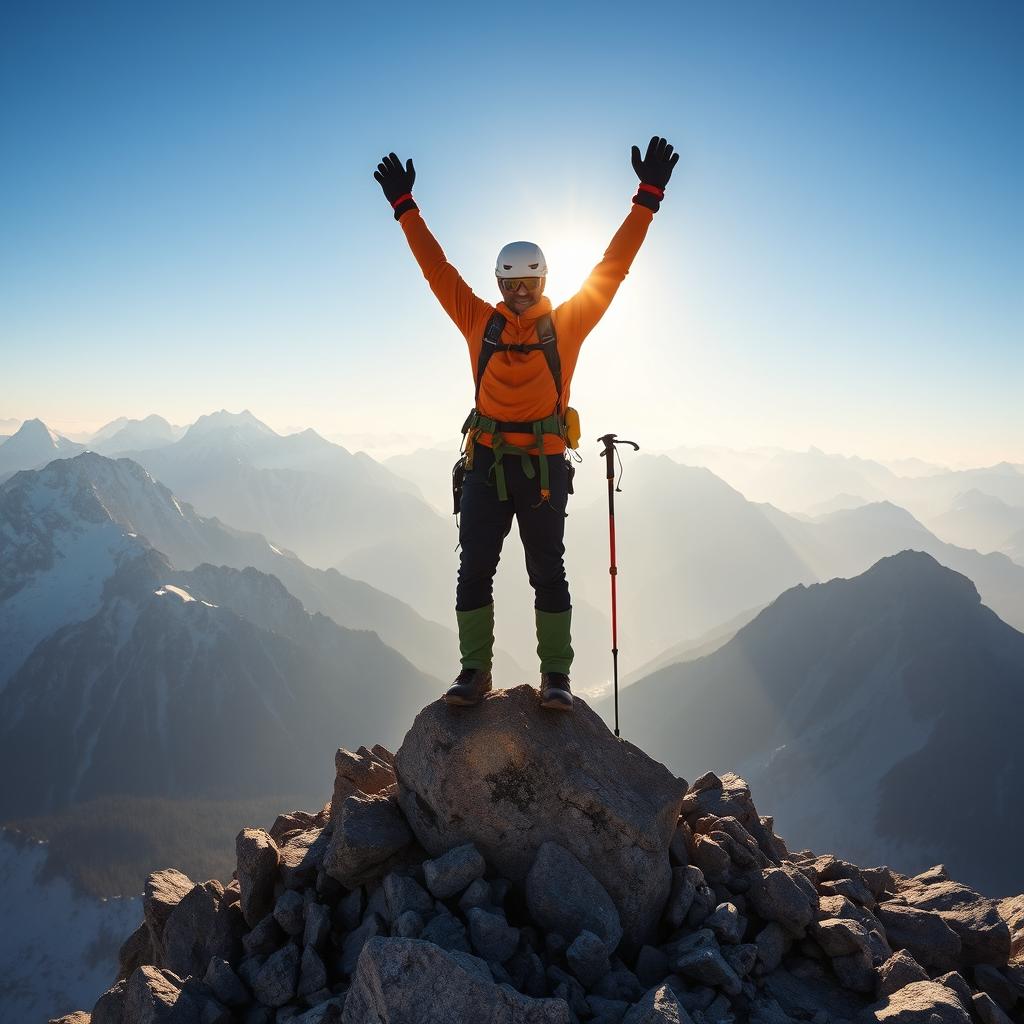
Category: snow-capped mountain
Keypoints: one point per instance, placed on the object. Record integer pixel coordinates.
(165, 692)
(122, 493)
(864, 710)
(32, 446)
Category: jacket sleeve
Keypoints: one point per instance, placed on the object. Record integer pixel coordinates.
(452, 292)
(582, 312)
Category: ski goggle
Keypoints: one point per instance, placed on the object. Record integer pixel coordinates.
(511, 284)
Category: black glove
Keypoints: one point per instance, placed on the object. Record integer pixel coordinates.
(653, 171)
(396, 183)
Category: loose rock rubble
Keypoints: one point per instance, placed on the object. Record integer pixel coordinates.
(404, 902)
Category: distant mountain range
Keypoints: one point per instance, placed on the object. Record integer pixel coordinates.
(862, 711)
(33, 445)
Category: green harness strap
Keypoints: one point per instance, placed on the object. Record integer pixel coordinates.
(549, 425)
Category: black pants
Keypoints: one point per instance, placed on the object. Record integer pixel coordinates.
(485, 522)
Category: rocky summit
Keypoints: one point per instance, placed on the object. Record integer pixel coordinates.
(514, 866)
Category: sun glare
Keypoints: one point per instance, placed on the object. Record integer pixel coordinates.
(572, 253)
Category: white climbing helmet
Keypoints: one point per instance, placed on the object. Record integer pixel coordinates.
(521, 259)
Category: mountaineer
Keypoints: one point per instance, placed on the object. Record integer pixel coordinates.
(522, 354)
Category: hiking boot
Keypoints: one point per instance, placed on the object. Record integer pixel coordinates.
(554, 691)
(470, 685)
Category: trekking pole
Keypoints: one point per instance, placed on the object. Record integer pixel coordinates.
(609, 453)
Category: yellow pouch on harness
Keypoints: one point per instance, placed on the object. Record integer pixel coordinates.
(572, 428)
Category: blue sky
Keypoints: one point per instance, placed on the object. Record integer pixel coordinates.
(189, 220)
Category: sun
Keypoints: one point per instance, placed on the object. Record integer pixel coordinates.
(572, 252)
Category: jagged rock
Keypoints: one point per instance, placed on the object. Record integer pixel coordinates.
(984, 934)
(988, 1010)
(772, 942)
(1011, 910)
(448, 932)
(408, 981)
(368, 835)
(78, 1017)
(491, 935)
(711, 856)
(290, 912)
(852, 888)
(408, 925)
(150, 995)
(899, 970)
(258, 857)
(312, 973)
(372, 926)
(365, 772)
(957, 983)
(840, 938)
(264, 938)
(302, 856)
(720, 1012)
(404, 893)
(317, 925)
(135, 951)
(454, 870)
(997, 985)
(921, 1002)
(202, 926)
(477, 894)
(679, 844)
(588, 958)
(163, 891)
(685, 881)
(741, 958)
(927, 936)
(842, 908)
(109, 1008)
(704, 902)
(652, 966)
(276, 981)
(527, 777)
(855, 971)
(779, 895)
(726, 923)
(564, 897)
(565, 986)
(658, 1006)
(707, 965)
(226, 984)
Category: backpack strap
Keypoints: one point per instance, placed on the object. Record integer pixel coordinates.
(549, 346)
(492, 342)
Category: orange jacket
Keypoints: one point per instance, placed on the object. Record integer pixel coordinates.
(518, 386)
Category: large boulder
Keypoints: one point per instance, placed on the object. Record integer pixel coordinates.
(203, 925)
(921, 1002)
(525, 777)
(257, 857)
(369, 835)
(975, 918)
(409, 981)
(163, 891)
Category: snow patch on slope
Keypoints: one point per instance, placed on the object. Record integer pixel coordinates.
(58, 948)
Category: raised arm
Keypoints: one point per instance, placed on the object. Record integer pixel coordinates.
(445, 282)
(587, 306)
